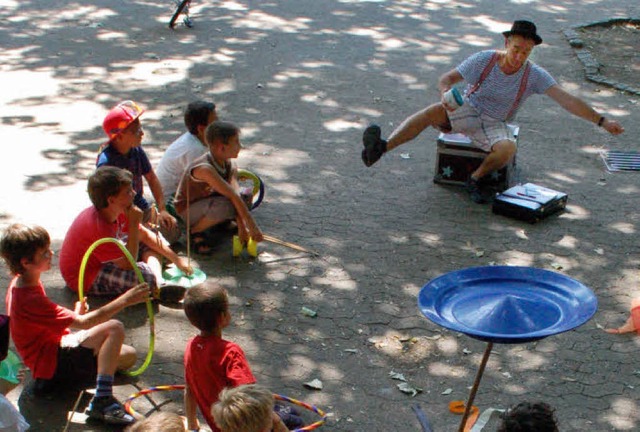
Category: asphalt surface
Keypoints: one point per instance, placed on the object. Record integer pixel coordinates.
(302, 79)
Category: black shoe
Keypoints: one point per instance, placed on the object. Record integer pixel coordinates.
(374, 145)
(476, 193)
(108, 410)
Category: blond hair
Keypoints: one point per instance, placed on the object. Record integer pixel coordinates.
(159, 421)
(246, 408)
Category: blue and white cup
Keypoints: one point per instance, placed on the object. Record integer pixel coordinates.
(453, 98)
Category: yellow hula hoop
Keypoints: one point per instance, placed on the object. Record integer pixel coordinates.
(152, 326)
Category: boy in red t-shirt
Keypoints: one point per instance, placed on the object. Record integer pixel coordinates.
(41, 332)
(210, 362)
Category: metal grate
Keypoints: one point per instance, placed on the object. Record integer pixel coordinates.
(617, 161)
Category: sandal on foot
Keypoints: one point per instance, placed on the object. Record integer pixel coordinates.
(200, 244)
(107, 409)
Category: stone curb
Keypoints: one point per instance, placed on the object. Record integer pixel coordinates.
(591, 65)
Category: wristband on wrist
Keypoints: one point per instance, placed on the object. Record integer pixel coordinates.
(601, 121)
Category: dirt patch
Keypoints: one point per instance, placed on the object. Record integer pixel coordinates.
(615, 47)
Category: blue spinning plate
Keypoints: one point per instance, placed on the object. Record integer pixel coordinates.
(507, 304)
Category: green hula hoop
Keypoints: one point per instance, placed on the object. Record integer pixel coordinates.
(152, 332)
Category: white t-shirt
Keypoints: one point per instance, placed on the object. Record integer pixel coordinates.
(498, 91)
(176, 159)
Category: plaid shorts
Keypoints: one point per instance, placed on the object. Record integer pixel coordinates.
(482, 130)
(112, 280)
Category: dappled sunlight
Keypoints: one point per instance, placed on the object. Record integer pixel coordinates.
(320, 99)
(568, 176)
(265, 21)
(302, 80)
(28, 84)
(568, 242)
(448, 345)
(151, 73)
(223, 86)
(481, 43)
(623, 414)
(340, 125)
(516, 258)
(379, 35)
(233, 5)
(524, 360)
(623, 227)
(576, 212)
(492, 25)
(440, 369)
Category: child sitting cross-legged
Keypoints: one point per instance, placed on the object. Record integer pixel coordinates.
(247, 408)
(212, 363)
(209, 193)
(41, 331)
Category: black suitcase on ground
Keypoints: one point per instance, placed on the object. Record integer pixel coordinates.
(529, 202)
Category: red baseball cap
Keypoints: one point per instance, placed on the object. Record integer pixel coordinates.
(121, 116)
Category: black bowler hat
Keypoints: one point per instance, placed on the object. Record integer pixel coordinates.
(526, 29)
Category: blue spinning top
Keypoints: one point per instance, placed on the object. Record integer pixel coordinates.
(507, 304)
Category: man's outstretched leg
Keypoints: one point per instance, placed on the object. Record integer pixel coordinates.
(375, 146)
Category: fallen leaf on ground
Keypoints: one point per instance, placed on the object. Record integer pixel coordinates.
(409, 389)
(314, 384)
(397, 376)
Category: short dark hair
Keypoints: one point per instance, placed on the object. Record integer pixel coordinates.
(529, 417)
(22, 241)
(105, 182)
(221, 130)
(204, 305)
(197, 114)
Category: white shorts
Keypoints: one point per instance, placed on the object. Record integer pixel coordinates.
(73, 340)
(482, 130)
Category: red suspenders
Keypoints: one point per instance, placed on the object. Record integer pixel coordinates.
(523, 82)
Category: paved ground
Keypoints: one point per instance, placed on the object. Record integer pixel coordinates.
(302, 79)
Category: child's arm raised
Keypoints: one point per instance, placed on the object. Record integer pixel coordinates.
(165, 220)
(137, 294)
(162, 247)
(220, 185)
(134, 218)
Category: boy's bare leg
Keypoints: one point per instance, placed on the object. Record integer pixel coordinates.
(155, 262)
(205, 223)
(106, 341)
(128, 357)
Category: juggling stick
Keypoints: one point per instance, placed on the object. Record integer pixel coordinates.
(293, 246)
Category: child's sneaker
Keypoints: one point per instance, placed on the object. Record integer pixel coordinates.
(108, 410)
(374, 145)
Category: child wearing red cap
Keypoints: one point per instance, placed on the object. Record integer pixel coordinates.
(123, 150)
